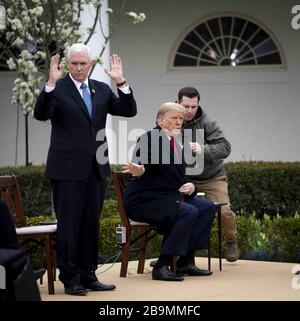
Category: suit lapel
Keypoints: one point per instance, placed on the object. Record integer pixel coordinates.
(93, 91)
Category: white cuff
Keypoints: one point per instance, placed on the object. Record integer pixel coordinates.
(48, 88)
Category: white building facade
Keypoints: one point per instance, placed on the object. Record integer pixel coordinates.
(254, 97)
(257, 106)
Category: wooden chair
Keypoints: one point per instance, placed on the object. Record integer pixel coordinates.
(218, 217)
(145, 231)
(45, 234)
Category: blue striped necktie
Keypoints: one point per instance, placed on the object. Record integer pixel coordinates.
(87, 98)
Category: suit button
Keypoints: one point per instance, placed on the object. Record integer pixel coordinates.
(177, 202)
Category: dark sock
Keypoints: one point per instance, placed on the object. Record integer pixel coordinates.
(186, 260)
(163, 260)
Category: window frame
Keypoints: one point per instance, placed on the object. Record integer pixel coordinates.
(206, 18)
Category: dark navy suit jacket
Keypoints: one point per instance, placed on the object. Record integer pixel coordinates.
(154, 197)
(73, 142)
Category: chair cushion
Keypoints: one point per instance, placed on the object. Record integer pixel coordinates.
(137, 223)
(36, 229)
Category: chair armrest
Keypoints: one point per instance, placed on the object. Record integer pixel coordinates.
(48, 222)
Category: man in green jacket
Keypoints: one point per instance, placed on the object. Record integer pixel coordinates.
(215, 148)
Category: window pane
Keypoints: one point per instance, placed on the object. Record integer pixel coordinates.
(269, 59)
(187, 49)
(184, 61)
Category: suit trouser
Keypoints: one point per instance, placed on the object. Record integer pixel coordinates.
(216, 190)
(192, 228)
(78, 206)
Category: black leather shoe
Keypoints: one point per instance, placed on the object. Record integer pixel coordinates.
(192, 270)
(164, 274)
(98, 286)
(76, 289)
(39, 273)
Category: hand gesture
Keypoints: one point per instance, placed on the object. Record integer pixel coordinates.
(187, 188)
(116, 69)
(196, 148)
(56, 70)
(134, 169)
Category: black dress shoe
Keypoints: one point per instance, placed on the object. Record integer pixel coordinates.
(98, 286)
(76, 289)
(164, 274)
(193, 270)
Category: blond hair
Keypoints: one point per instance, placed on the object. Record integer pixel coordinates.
(169, 106)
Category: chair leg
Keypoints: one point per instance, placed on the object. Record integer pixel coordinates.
(173, 264)
(125, 255)
(209, 254)
(49, 251)
(142, 251)
(220, 238)
(54, 257)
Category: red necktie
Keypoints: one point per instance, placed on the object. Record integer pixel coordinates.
(174, 148)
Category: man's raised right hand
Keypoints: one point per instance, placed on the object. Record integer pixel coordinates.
(56, 70)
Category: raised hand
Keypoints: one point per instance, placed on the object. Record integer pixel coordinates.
(116, 69)
(56, 70)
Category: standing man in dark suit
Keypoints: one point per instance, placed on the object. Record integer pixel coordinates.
(161, 194)
(77, 107)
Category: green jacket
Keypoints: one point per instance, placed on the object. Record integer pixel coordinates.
(216, 146)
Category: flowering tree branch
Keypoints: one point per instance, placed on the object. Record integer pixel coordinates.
(37, 29)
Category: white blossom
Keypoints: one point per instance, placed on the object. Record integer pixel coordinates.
(11, 64)
(29, 29)
(131, 14)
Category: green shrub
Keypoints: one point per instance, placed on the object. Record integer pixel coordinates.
(260, 187)
(110, 208)
(284, 238)
(35, 189)
(264, 187)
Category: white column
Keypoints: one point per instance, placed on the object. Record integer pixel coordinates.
(96, 43)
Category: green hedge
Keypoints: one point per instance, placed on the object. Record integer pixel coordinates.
(264, 187)
(260, 187)
(35, 189)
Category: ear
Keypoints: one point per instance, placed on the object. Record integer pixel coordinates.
(160, 122)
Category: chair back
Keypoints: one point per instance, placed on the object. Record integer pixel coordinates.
(10, 194)
(120, 181)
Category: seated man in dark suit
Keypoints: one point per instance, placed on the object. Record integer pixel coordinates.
(160, 193)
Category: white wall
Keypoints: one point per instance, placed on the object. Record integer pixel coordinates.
(258, 110)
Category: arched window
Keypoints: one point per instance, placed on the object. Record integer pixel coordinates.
(227, 40)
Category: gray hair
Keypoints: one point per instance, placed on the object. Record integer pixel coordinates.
(79, 47)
